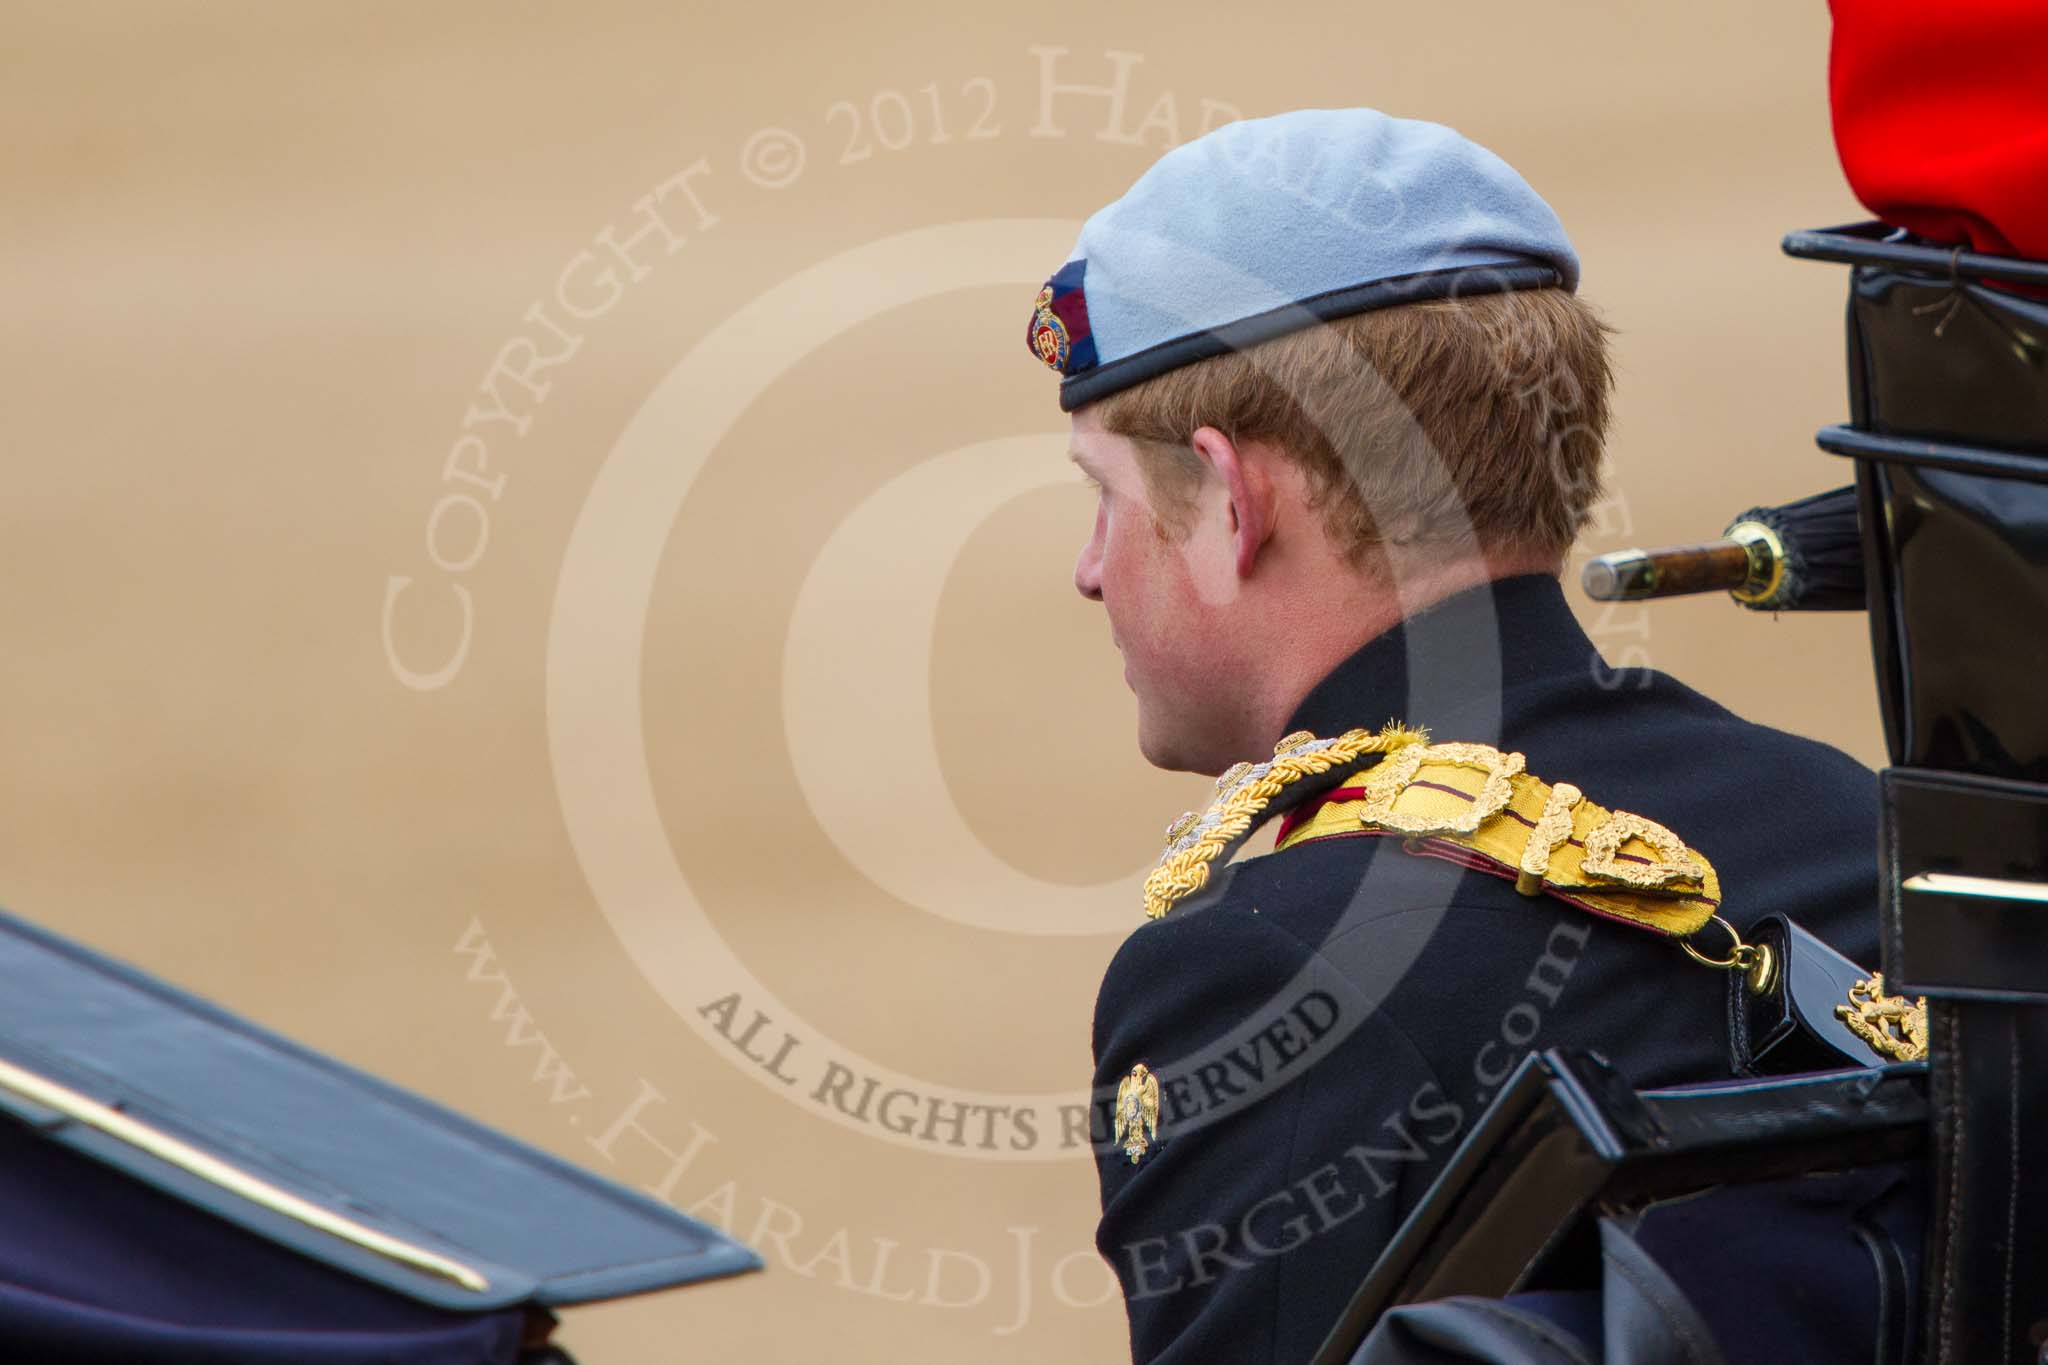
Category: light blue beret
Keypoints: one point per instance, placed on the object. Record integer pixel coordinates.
(1271, 225)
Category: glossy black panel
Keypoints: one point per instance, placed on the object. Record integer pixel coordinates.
(1957, 562)
(1880, 586)
(1964, 946)
(1970, 574)
(1959, 362)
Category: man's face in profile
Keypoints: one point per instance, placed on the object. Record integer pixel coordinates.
(1166, 595)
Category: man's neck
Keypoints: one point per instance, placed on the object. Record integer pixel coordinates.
(1319, 624)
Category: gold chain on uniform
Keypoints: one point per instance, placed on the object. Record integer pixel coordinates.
(1194, 840)
(1473, 798)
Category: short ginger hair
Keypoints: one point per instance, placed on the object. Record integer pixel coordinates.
(1481, 418)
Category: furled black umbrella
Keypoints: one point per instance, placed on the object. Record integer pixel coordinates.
(1803, 556)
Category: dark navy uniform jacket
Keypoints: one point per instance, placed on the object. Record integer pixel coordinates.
(1327, 1022)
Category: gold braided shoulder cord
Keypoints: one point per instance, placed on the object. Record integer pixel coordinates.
(1547, 837)
(1195, 841)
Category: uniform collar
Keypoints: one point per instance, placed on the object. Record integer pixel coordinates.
(1455, 667)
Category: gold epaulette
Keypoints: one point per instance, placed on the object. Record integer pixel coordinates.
(1474, 805)
(1197, 839)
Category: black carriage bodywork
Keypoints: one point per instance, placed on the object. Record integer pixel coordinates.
(1948, 389)
(1938, 1168)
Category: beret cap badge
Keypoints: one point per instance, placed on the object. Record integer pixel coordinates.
(1048, 334)
(1059, 334)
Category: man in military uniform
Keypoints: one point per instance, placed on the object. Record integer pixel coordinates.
(1345, 412)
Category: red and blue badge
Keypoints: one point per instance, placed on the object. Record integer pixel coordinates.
(1059, 334)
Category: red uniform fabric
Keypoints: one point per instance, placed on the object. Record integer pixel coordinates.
(1941, 117)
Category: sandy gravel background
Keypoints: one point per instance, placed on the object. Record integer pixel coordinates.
(260, 263)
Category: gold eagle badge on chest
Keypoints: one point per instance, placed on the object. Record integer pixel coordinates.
(1137, 1111)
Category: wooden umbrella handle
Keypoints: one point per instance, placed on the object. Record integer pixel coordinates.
(1674, 571)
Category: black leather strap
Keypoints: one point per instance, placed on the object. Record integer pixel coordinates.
(1987, 1272)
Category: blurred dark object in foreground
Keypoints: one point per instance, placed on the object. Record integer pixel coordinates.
(177, 1184)
(1582, 1221)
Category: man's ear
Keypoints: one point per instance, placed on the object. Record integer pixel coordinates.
(1247, 482)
